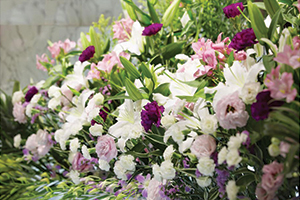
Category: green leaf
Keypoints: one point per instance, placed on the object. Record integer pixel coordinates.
(95, 41)
(268, 62)
(16, 86)
(50, 81)
(75, 92)
(142, 17)
(187, 28)
(196, 84)
(152, 12)
(156, 140)
(272, 33)
(163, 89)
(106, 46)
(288, 2)
(73, 53)
(172, 49)
(271, 45)
(170, 13)
(245, 180)
(272, 7)
(260, 5)
(84, 41)
(213, 194)
(130, 68)
(145, 70)
(133, 92)
(257, 21)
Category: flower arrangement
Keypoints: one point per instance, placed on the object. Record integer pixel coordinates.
(162, 111)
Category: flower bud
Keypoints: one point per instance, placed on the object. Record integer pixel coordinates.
(170, 12)
(274, 150)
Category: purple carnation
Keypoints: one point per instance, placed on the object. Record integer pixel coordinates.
(152, 29)
(243, 39)
(87, 54)
(232, 11)
(30, 93)
(151, 115)
(261, 108)
(102, 114)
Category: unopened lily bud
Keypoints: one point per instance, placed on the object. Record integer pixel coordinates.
(274, 150)
(170, 12)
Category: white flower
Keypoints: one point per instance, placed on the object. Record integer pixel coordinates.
(29, 109)
(167, 170)
(40, 84)
(71, 156)
(54, 91)
(98, 99)
(167, 120)
(74, 175)
(85, 152)
(234, 142)
(176, 132)
(120, 171)
(168, 152)
(53, 103)
(104, 165)
(249, 91)
(42, 137)
(209, 124)
(74, 145)
(231, 190)
(206, 166)
(222, 155)
(17, 141)
(156, 172)
(17, 97)
(185, 145)
(185, 19)
(127, 163)
(34, 100)
(96, 130)
(273, 150)
(159, 98)
(203, 181)
(233, 157)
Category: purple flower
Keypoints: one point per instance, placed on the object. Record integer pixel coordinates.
(151, 115)
(103, 114)
(221, 179)
(152, 29)
(243, 39)
(232, 11)
(30, 93)
(261, 108)
(87, 54)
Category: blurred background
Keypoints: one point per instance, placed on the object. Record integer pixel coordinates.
(26, 25)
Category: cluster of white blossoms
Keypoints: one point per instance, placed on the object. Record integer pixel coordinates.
(125, 165)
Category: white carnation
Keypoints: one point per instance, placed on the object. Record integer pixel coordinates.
(17, 97)
(203, 181)
(233, 157)
(168, 152)
(120, 171)
(234, 142)
(54, 91)
(222, 155)
(74, 144)
(71, 156)
(17, 141)
(74, 175)
(249, 91)
(206, 166)
(231, 190)
(127, 163)
(104, 165)
(156, 172)
(167, 170)
(85, 152)
(96, 130)
(209, 124)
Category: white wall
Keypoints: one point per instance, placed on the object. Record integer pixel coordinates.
(26, 25)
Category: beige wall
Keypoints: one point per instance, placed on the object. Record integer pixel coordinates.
(26, 25)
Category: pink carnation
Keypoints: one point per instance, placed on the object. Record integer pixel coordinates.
(203, 146)
(122, 29)
(230, 112)
(154, 191)
(106, 148)
(43, 58)
(81, 164)
(19, 113)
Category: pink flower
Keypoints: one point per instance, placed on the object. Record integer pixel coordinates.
(106, 148)
(273, 168)
(230, 112)
(43, 58)
(281, 87)
(220, 45)
(296, 42)
(200, 47)
(80, 163)
(110, 60)
(272, 178)
(262, 194)
(209, 57)
(19, 113)
(56, 47)
(284, 148)
(289, 56)
(203, 146)
(122, 29)
(153, 190)
(94, 73)
(240, 55)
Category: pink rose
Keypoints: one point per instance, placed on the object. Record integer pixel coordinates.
(203, 146)
(230, 112)
(106, 148)
(19, 113)
(273, 168)
(272, 178)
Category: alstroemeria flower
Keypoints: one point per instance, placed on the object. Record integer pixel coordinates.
(289, 57)
(152, 29)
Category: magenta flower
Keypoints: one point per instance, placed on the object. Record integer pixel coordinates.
(151, 115)
(289, 56)
(30, 93)
(82, 164)
(231, 11)
(87, 54)
(243, 39)
(152, 29)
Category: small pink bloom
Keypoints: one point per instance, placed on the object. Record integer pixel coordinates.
(296, 42)
(106, 148)
(289, 56)
(57, 46)
(94, 73)
(203, 146)
(43, 58)
(68, 45)
(272, 177)
(284, 148)
(273, 168)
(230, 112)
(110, 60)
(200, 47)
(19, 113)
(220, 45)
(262, 194)
(80, 163)
(209, 57)
(122, 29)
(240, 55)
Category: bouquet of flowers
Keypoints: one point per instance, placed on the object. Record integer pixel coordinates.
(164, 105)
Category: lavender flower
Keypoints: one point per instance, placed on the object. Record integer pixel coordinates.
(151, 115)
(152, 29)
(30, 93)
(87, 54)
(243, 39)
(232, 11)
(221, 179)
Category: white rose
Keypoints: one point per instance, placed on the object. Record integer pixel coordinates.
(127, 163)
(222, 155)
(54, 91)
(209, 124)
(233, 157)
(17, 97)
(74, 145)
(120, 171)
(74, 175)
(96, 130)
(156, 172)
(17, 141)
(167, 170)
(104, 165)
(85, 152)
(203, 181)
(167, 120)
(206, 166)
(168, 152)
(231, 190)
(249, 92)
